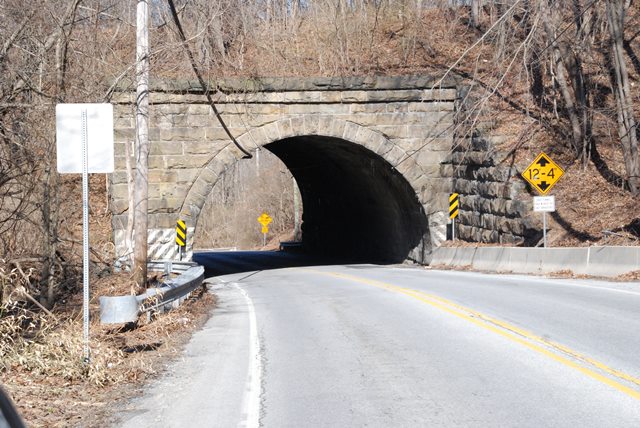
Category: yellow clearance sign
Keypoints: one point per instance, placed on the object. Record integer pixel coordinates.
(543, 173)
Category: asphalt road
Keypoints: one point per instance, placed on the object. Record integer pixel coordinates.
(352, 346)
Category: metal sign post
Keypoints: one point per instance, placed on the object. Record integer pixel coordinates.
(544, 204)
(85, 237)
(84, 144)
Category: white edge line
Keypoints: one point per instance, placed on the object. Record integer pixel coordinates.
(254, 381)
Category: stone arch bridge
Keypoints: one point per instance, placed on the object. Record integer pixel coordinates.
(368, 155)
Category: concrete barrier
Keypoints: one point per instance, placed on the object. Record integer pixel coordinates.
(596, 261)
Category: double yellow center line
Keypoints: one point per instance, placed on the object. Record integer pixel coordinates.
(562, 354)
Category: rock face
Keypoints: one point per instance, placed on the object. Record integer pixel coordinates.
(374, 157)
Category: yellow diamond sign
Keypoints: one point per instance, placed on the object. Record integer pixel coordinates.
(543, 173)
(264, 219)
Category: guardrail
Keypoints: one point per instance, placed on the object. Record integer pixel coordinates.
(124, 309)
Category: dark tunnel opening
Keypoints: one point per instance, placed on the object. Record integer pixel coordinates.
(357, 207)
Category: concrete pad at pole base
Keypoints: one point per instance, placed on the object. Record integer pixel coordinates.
(118, 309)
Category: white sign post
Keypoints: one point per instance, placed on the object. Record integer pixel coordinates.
(84, 143)
(544, 204)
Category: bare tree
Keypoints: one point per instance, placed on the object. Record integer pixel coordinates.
(627, 125)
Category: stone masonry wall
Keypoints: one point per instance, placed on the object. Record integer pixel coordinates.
(495, 206)
(402, 119)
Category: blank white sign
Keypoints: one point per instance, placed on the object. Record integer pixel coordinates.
(99, 137)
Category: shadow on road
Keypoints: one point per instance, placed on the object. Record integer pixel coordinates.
(227, 262)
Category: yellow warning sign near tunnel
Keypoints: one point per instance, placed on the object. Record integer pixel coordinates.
(181, 233)
(543, 173)
(454, 202)
(264, 220)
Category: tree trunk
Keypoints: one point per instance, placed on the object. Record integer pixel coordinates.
(627, 131)
(476, 5)
(572, 101)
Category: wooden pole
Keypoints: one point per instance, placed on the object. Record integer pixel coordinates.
(142, 143)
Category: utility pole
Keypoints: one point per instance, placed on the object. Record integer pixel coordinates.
(142, 143)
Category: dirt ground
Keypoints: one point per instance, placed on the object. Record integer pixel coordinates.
(123, 360)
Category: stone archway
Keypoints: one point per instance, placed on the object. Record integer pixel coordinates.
(385, 185)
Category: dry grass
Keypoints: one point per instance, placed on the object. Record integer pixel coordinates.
(41, 362)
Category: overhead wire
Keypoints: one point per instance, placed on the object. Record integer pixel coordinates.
(203, 84)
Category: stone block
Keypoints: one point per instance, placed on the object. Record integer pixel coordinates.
(488, 221)
(191, 161)
(119, 191)
(410, 169)
(162, 176)
(508, 238)
(208, 176)
(215, 133)
(199, 109)
(472, 158)
(393, 131)
(118, 206)
(337, 128)
(325, 126)
(354, 97)
(164, 205)
(297, 125)
(118, 177)
(285, 128)
(394, 95)
(311, 124)
(162, 220)
(490, 236)
(195, 120)
(350, 131)
(200, 147)
(157, 148)
(313, 96)
(440, 130)
(432, 106)
(124, 122)
(395, 155)
(124, 134)
(296, 109)
(372, 108)
(156, 162)
(182, 134)
(186, 175)
(467, 187)
(119, 221)
(120, 162)
(271, 131)
(439, 95)
(167, 190)
(469, 202)
(500, 206)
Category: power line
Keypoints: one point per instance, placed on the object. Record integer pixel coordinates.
(203, 84)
